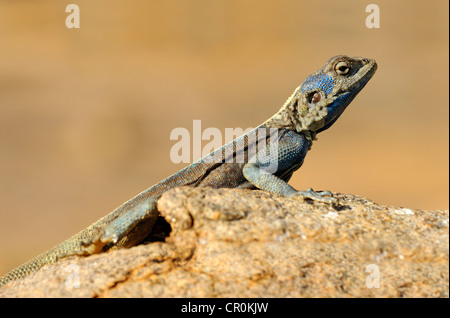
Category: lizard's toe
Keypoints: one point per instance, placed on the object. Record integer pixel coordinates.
(321, 196)
(97, 245)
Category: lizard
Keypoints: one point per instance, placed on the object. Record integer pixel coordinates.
(283, 142)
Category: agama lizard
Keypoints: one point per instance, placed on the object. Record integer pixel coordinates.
(286, 137)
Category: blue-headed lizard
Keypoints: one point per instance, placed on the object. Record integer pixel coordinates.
(283, 141)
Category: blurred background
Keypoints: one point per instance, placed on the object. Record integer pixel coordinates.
(86, 114)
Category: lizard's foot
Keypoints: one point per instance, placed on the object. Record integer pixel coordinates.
(320, 196)
(120, 227)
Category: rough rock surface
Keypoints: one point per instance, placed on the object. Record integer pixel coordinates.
(242, 243)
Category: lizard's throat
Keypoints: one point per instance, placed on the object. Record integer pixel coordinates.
(297, 115)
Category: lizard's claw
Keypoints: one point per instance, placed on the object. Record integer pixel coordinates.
(320, 196)
(96, 245)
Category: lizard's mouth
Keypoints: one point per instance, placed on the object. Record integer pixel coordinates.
(365, 72)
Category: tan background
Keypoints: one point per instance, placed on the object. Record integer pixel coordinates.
(85, 114)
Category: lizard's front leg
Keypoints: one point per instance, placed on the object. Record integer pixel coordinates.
(290, 150)
(268, 182)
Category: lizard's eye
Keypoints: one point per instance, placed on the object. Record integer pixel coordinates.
(342, 68)
(314, 97)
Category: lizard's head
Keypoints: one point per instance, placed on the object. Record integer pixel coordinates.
(323, 96)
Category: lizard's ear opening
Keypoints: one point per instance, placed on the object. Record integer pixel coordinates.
(313, 97)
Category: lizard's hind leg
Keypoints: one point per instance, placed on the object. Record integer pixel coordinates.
(126, 230)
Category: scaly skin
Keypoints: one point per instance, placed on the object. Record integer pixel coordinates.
(283, 141)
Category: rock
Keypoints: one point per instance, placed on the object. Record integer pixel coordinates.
(243, 243)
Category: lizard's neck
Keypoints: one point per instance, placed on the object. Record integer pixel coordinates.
(287, 117)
